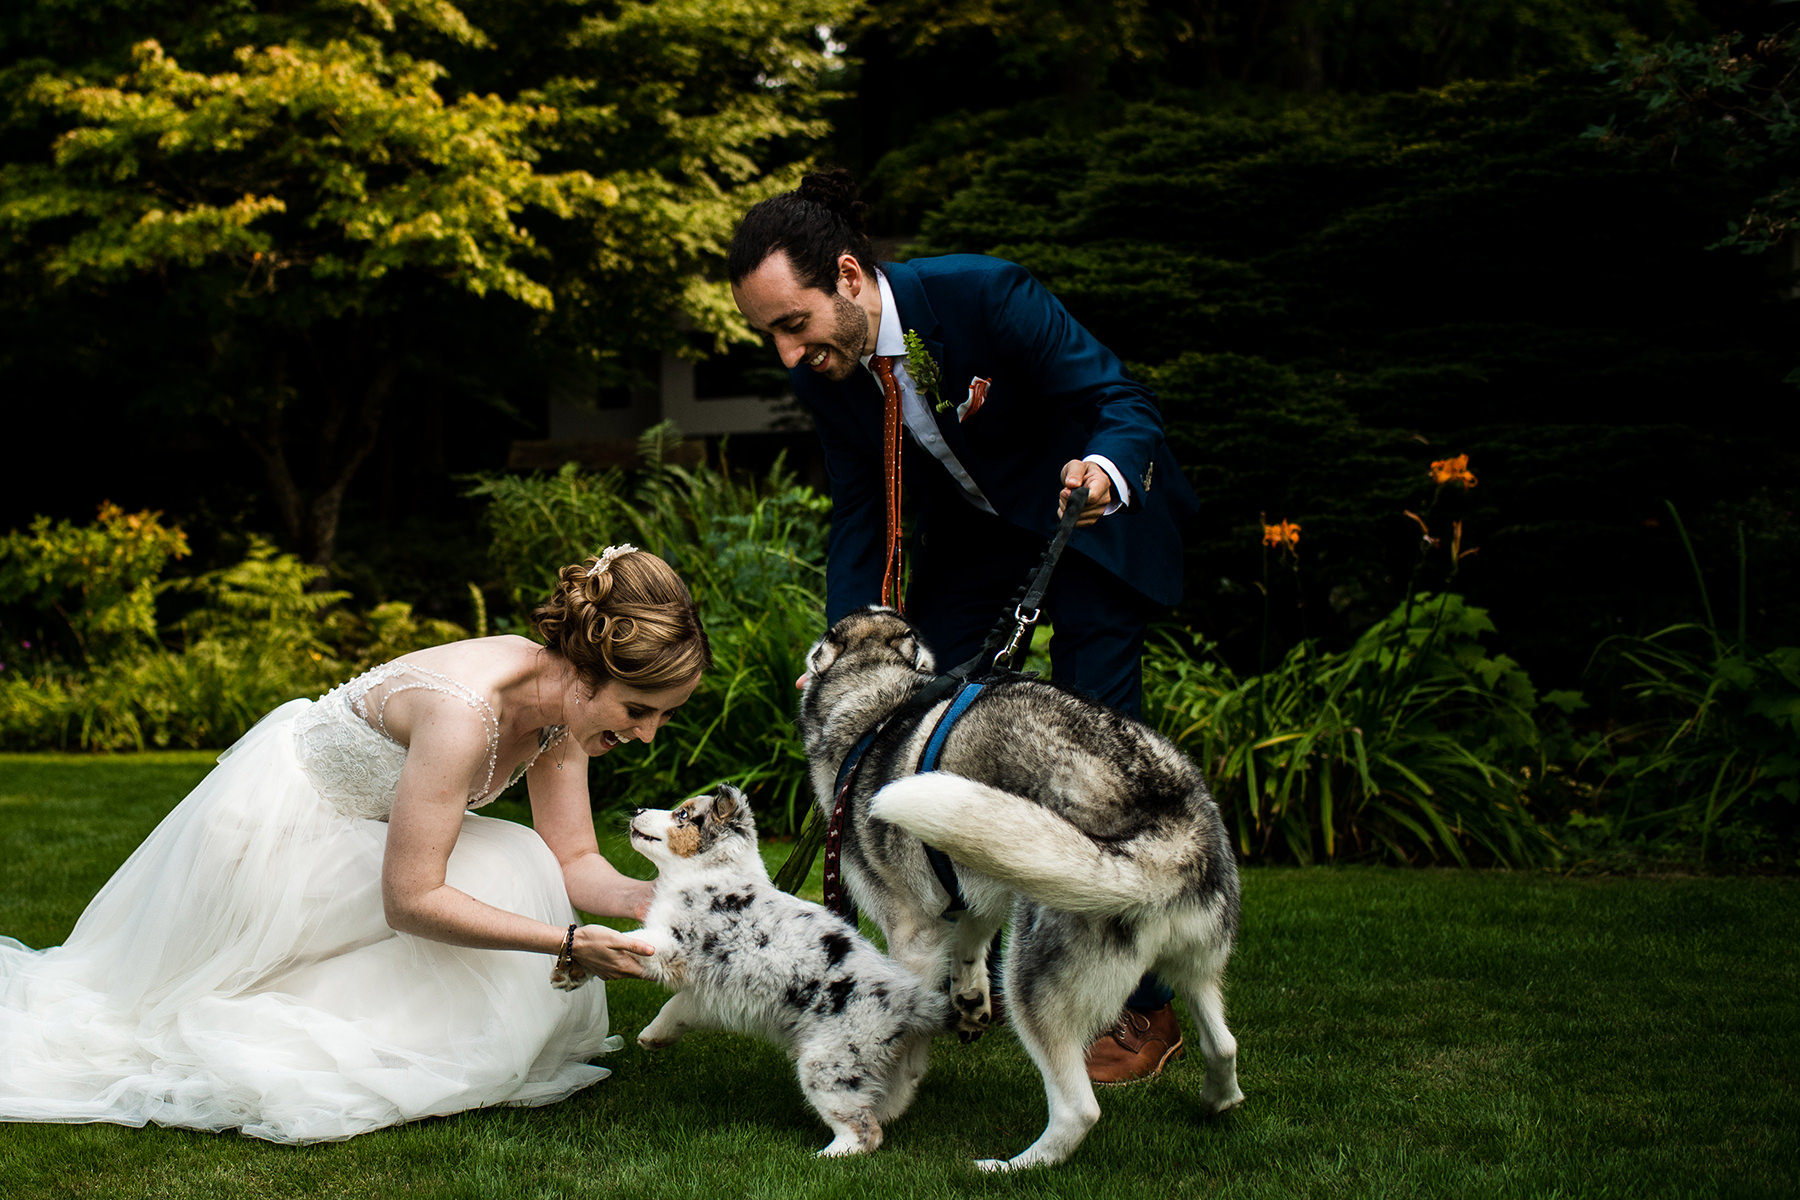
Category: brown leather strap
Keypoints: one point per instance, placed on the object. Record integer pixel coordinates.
(837, 898)
(890, 431)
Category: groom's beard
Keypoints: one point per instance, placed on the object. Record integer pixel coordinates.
(849, 337)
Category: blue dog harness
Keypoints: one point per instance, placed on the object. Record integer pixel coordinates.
(1011, 648)
(836, 898)
(941, 866)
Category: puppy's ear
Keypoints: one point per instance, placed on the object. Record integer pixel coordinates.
(725, 802)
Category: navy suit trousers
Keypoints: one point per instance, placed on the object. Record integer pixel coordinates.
(966, 574)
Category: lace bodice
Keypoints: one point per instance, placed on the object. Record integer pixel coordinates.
(343, 745)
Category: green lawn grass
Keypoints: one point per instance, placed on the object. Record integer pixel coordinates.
(1401, 1033)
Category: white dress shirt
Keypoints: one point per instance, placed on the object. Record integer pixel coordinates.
(890, 340)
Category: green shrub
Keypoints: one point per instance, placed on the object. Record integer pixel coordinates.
(256, 634)
(1708, 763)
(36, 711)
(389, 630)
(1413, 745)
(99, 580)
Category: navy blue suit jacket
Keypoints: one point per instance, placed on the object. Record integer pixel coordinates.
(1056, 394)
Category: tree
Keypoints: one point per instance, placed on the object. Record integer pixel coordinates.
(277, 217)
(1728, 107)
(941, 87)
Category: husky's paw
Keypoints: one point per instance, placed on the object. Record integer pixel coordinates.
(1020, 1162)
(974, 1015)
(1218, 1106)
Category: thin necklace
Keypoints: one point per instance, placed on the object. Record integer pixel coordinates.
(562, 751)
(562, 748)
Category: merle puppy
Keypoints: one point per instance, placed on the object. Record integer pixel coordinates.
(743, 955)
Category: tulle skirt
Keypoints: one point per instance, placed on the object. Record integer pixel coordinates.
(238, 973)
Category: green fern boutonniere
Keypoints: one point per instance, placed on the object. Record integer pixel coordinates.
(924, 370)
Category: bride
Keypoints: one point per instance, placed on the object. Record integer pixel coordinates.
(322, 939)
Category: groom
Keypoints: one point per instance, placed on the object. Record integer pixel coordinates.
(1025, 407)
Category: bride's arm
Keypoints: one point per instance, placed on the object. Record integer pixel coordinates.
(447, 746)
(564, 818)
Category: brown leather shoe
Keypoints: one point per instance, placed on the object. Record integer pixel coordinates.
(1136, 1046)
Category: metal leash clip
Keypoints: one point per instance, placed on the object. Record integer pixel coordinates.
(1021, 637)
(1038, 584)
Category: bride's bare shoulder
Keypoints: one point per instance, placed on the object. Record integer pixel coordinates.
(485, 664)
(499, 671)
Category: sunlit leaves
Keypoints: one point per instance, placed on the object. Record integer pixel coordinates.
(175, 168)
(100, 579)
(306, 210)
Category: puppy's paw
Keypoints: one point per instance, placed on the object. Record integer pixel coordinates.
(567, 979)
(859, 1136)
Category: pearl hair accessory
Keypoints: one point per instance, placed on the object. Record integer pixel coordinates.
(607, 555)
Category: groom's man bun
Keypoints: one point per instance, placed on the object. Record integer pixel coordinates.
(814, 225)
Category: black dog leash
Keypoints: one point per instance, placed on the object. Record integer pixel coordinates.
(1022, 621)
(1006, 645)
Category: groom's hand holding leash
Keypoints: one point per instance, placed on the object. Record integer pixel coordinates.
(1092, 476)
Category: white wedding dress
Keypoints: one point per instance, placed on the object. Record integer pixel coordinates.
(237, 972)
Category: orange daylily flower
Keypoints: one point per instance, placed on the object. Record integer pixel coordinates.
(1283, 535)
(1453, 470)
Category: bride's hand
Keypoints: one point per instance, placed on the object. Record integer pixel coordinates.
(608, 954)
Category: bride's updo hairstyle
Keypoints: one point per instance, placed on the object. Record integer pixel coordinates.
(626, 616)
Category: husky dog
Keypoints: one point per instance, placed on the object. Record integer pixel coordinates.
(1095, 834)
(743, 955)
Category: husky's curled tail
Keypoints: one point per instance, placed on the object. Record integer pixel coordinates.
(1018, 842)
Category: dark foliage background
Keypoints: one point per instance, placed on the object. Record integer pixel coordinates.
(1342, 240)
(1330, 298)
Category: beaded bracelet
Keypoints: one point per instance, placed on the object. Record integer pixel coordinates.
(567, 974)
